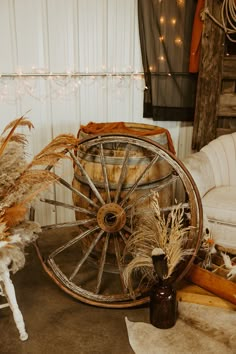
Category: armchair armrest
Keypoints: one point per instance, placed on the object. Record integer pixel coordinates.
(200, 168)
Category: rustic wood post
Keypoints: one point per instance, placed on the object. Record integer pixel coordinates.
(209, 79)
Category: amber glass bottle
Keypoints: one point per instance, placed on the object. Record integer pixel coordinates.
(163, 306)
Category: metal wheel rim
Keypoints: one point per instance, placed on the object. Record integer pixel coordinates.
(123, 299)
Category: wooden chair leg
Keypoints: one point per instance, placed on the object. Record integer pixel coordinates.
(9, 292)
(2, 306)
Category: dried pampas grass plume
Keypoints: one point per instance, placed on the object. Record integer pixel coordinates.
(155, 230)
(20, 138)
(21, 182)
(55, 150)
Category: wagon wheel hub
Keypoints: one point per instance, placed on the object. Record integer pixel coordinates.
(111, 217)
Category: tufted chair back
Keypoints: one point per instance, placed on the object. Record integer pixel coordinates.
(221, 154)
(213, 169)
(215, 164)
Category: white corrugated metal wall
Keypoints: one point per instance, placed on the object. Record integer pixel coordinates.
(98, 38)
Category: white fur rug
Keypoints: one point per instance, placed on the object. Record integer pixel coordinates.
(199, 330)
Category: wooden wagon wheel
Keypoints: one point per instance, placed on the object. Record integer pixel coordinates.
(107, 192)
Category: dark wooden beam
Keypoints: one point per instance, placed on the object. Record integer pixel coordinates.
(209, 79)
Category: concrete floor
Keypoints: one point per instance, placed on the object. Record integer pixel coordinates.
(58, 323)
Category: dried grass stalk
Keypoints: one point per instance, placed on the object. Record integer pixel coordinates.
(143, 266)
(155, 230)
(55, 150)
(14, 214)
(22, 121)
(4, 233)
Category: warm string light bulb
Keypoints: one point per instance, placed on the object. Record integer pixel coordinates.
(180, 3)
(178, 41)
(162, 19)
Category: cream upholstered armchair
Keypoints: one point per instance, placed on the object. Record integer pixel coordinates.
(214, 170)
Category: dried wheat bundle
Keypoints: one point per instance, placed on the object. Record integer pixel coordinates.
(156, 233)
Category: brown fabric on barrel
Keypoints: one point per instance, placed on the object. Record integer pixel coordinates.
(121, 127)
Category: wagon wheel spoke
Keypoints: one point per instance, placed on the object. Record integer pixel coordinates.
(128, 229)
(90, 182)
(157, 188)
(102, 263)
(123, 237)
(76, 191)
(105, 176)
(123, 173)
(68, 206)
(73, 241)
(119, 263)
(183, 206)
(68, 224)
(83, 259)
(135, 185)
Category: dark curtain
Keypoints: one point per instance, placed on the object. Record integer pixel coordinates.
(165, 29)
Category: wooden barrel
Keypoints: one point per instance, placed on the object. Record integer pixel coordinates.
(114, 155)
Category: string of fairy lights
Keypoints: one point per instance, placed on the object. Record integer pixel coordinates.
(40, 83)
